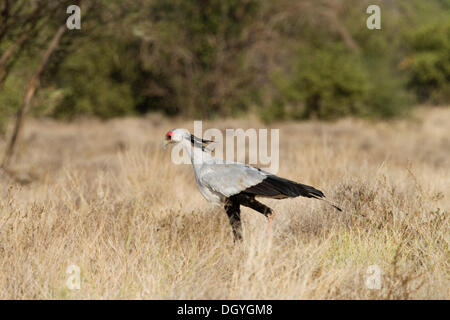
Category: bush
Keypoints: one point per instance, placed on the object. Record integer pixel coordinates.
(429, 63)
(208, 59)
(96, 80)
(333, 82)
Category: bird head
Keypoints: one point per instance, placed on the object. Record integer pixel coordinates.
(178, 135)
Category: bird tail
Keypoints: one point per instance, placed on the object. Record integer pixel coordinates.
(280, 188)
(311, 192)
(331, 204)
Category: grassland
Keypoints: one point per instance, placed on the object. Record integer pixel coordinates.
(106, 197)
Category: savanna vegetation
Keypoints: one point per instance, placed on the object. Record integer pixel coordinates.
(106, 197)
(84, 180)
(279, 59)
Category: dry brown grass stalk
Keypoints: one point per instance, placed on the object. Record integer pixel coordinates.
(106, 197)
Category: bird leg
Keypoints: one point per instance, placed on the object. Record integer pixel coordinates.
(234, 214)
(251, 202)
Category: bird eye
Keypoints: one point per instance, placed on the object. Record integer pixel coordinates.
(169, 135)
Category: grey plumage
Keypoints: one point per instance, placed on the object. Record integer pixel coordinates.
(230, 178)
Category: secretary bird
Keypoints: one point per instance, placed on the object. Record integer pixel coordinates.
(232, 184)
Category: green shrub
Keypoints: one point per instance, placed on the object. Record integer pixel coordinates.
(97, 80)
(429, 63)
(333, 82)
(206, 59)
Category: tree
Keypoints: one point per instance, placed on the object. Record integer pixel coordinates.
(26, 25)
(31, 89)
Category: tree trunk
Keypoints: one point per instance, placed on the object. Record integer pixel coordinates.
(31, 89)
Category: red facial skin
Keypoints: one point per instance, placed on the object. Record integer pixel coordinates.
(169, 135)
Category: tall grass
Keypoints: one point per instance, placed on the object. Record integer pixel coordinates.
(105, 197)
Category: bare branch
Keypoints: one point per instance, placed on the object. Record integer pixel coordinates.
(31, 89)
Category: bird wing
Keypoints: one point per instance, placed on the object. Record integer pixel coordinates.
(230, 178)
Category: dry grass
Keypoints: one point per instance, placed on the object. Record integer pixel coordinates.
(106, 197)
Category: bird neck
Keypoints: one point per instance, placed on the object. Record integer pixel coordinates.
(196, 154)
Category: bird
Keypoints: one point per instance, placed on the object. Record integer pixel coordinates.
(234, 184)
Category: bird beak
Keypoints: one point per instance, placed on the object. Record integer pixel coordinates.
(165, 143)
(168, 139)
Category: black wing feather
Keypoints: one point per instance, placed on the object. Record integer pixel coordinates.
(280, 188)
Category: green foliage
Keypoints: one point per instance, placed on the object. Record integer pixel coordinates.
(387, 96)
(332, 82)
(195, 62)
(205, 59)
(10, 100)
(96, 80)
(429, 63)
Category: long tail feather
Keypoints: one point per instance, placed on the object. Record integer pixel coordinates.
(330, 203)
(280, 188)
